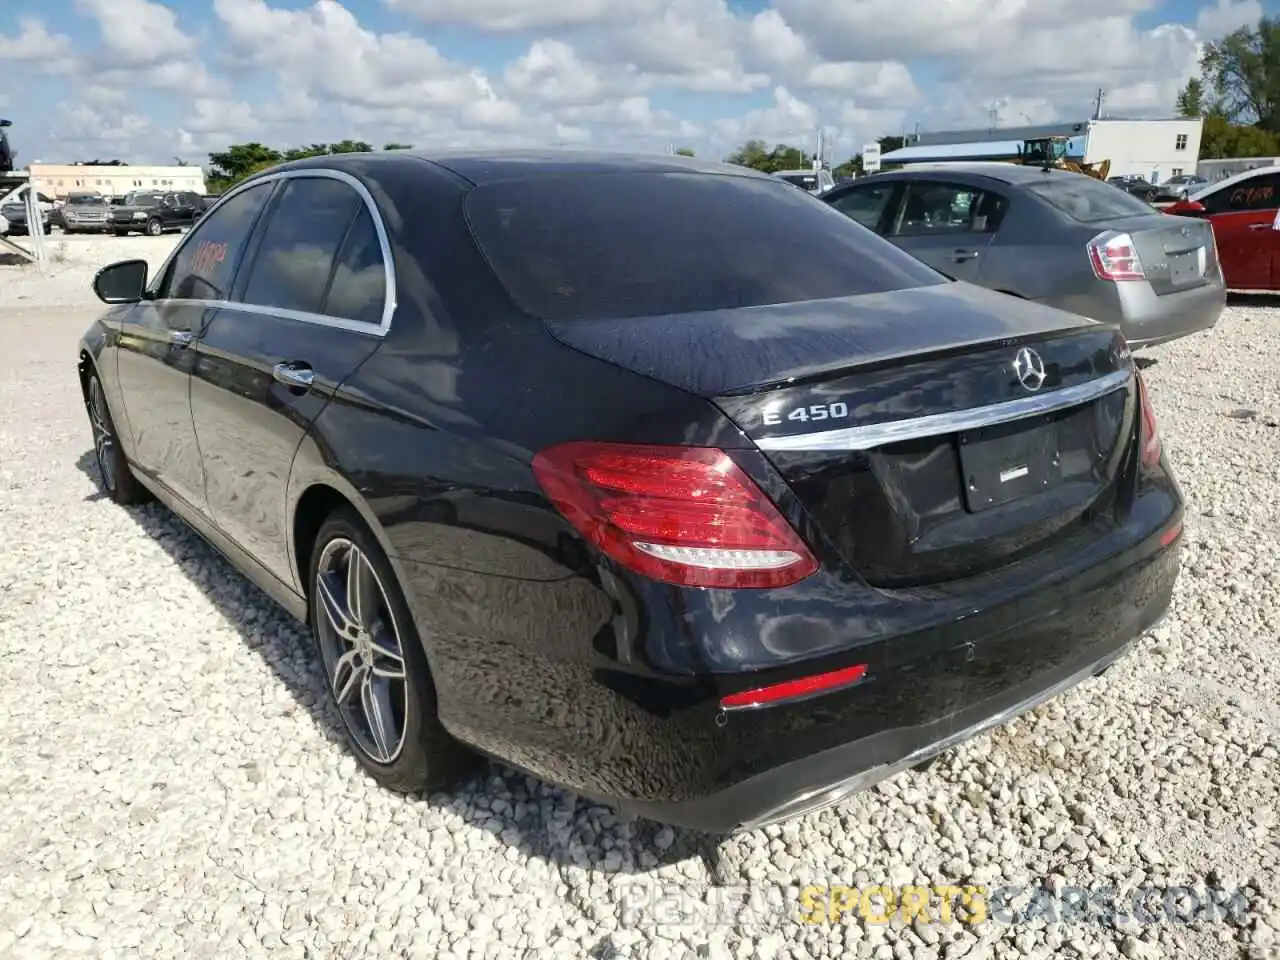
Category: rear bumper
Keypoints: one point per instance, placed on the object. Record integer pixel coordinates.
(1148, 319)
(554, 677)
(825, 779)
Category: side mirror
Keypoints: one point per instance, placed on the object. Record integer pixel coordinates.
(123, 282)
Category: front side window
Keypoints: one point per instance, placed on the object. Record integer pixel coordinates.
(865, 205)
(646, 244)
(291, 267)
(932, 207)
(205, 264)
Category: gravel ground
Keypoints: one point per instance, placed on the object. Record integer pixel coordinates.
(173, 785)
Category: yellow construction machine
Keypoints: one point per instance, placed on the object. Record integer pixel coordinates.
(1052, 152)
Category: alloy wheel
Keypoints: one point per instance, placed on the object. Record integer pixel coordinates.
(361, 647)
(104, 443)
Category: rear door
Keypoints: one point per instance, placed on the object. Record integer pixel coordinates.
(1243, 215)
(310, 305)
(947, 225)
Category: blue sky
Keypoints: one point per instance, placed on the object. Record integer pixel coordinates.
(148, 80)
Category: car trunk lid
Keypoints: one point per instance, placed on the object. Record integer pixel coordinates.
(1177, 253)
(930, 434)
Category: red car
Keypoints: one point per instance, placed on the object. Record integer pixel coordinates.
(1245, 213)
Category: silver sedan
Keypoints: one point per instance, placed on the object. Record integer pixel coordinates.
(1052, 236)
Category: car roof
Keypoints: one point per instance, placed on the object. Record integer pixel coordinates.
(1012, 173)
(487, 166)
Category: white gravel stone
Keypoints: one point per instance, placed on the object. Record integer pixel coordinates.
(171, 785)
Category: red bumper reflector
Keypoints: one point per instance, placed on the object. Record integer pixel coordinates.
(793, 689)
(1171, 534)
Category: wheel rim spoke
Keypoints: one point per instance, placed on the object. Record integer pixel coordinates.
(356, 579)
(348, 676)
(334, 608)
(379, 715)
(360, 644)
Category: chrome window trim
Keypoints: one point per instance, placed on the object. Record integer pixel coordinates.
(389, 301)
(873, 435)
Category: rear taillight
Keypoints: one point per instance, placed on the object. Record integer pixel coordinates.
(1149, 435)
(1114, 257)
(683, 515)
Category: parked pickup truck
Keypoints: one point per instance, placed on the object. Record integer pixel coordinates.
(154, 213)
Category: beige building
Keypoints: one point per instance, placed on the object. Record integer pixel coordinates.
(58, 180)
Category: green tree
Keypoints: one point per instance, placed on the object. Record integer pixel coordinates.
(1191, 101)
(351, 146)
(1221, 138)
(241, 159)
(1243, 72)
(302, 153)
(397, 146)
(850, 168)
(684, 152)
(757, 155)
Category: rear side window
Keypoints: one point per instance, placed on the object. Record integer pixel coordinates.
(644, 244)
(1254, 193)
(359, 286)
(933, 207)
(1088, 200)
(291, 266)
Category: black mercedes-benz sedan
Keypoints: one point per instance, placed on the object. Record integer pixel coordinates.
(648, 476)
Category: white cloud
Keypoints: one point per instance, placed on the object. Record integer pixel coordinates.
(35, 48)
(700, 73)
(1226, 16)
(511, 15)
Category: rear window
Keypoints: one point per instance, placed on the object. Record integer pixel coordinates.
(599, 246)
(1087, 200)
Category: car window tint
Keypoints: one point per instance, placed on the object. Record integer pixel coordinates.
(643, 244)
(1255, 193)
(359, 286)
(932, 207)
(1087, 200)
(203, 268)
(291, 267)
(865, 205)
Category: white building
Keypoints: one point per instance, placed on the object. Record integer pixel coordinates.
(1215, 170)
(58, 180)
(1154, 149)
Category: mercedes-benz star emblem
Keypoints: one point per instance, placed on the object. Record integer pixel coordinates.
(1029, 369)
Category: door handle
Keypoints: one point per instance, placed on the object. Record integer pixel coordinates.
(960, 256)
(294, 375)
(1262, 226)
(181, 338)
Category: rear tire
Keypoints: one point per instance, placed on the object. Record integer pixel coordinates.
(374, 664)
(115, 476)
